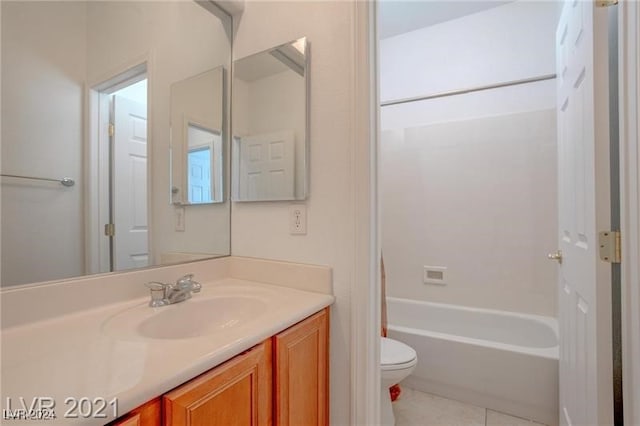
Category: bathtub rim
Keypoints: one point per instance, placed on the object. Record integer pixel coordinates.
(552, 352)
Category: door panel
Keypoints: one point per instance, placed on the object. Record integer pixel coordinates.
(302, 381)
(584, 282)
(130, 184)
(267, 169)
(236, 393)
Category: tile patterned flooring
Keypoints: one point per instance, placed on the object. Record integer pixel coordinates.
(415, 408)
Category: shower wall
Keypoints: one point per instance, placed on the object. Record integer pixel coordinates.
(468, 182)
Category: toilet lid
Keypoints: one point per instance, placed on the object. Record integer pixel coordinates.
(393, 352)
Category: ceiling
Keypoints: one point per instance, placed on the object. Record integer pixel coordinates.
(401, 16)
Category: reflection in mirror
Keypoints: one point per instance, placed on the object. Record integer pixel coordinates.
(270, 124)
(204, 165)
(196, 138)
(87, 89)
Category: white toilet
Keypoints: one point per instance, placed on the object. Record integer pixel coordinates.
(397, 361)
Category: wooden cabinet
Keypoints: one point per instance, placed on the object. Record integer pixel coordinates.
(282, 381)
(301, 371)
(238, 392)
(148, 414)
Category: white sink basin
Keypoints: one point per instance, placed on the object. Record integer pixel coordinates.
(198, 316)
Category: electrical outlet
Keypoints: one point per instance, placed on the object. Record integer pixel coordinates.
(298, 219)
(179, 212)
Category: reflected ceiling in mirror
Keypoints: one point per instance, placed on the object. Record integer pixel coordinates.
(86, 95)
(270, 124)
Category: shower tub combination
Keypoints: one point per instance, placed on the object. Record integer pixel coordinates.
(500, 360)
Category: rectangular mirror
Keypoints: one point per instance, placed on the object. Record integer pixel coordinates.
(270, 124)
(89, 91)
(197, 166)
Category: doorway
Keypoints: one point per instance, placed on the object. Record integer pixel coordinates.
(470, 183)
(118, 218)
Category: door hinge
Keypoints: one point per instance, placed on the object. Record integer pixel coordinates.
(112, 130)
(606, 3)
(110, 229)
(610, 246)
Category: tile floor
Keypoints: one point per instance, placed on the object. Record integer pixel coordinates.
(415, 408)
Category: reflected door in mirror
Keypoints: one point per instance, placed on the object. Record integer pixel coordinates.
(270, 124)
(267, 166)
(130, 241)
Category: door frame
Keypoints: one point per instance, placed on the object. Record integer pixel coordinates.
(629, 104)
(97, 150)
(365, 294)
(363, 403)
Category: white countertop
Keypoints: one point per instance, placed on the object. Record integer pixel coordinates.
(80, 356)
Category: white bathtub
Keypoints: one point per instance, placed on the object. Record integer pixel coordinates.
(494, 359)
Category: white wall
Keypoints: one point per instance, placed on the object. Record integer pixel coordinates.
(262, 229)
(180, 40)
(505, 43)
(43, 72)
(469, 182)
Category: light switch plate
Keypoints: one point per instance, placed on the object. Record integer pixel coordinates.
(179, 212)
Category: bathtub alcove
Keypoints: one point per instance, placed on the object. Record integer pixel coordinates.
(500, 360)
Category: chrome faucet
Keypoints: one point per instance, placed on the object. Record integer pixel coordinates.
(166, 294)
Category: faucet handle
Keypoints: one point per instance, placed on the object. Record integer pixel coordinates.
(158, 293)
(186, 278)
(188, 282)
(156, 285)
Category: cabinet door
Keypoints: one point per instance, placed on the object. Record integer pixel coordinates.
(237, 393)
(302, 373)
(149, 414)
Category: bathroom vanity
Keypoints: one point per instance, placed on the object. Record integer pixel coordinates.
(282, 381)
(250, 348)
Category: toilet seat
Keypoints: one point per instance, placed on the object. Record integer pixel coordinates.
(395, 355)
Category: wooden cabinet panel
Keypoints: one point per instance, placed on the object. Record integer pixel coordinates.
(302, 373)
(149, 414)
(238, 392)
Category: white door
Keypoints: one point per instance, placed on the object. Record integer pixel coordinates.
(130, 184)
(200, 164)
(267, 170)
(199, 175)
(584, 208)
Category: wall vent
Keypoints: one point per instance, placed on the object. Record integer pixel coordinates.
(434, 275)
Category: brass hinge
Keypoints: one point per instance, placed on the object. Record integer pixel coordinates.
(110, 229)
(112, 129)
(606, 3)
(610, 246)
